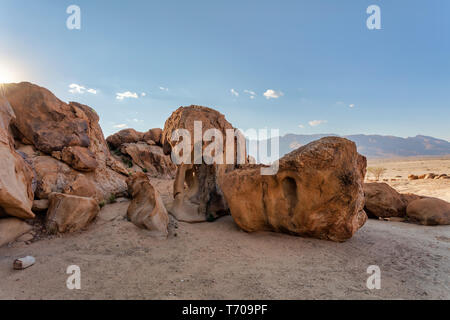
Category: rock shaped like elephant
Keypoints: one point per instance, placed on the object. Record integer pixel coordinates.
(317, 192)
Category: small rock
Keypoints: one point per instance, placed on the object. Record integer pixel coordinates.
(40, 205)
(11, 229)
(25, 238)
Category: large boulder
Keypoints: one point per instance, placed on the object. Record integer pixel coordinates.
(44, 120)
(124, 136)
(56, 176)
(146, 209)
(16, 176)
(151, 158)
(79, 158)
(144, 150)
(154, 135)
(11, 229)
(67, 213)
(429, 211)
(317, 192)
(383, 201)
(70, 133)
(202, 199)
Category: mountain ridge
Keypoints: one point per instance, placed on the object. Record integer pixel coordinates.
(376, 145)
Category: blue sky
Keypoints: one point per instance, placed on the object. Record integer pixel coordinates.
(328, 73)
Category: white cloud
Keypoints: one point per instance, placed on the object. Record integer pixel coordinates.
(163, 89)
(143, 94)
(301, 126)
(76, 88)
(234, 93)
(127, 94)
(352, 105)
(315, 123)
(120, 126)
(251, 93)
(272, 94)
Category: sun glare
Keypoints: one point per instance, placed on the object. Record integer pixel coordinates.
(6, 75)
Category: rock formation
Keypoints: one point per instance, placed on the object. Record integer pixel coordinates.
(317, 192)
(11, 229)
(144, 150)
(16, 176)
(67, 213)
(382, 201)
(197, 195)
(146, 209)
(429, 211)
(64, 144)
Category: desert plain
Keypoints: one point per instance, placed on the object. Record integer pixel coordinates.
(219, 261)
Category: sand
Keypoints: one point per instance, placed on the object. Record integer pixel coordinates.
(399, 169)
(218, 261)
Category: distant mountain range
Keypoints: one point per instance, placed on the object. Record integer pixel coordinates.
(376, 146)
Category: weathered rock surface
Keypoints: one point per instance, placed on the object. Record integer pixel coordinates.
(45, 121)
(151, 158)
(16, 176)
(202, 199)
(144, 150)
(79, 158)
(67, 213)
(146, 209)
(383, 201)
(11, 229)
(69, 133)
(124, 136)
(317, 192)
(56, 176)
(429, 211)
(40, 205)
(154, 135)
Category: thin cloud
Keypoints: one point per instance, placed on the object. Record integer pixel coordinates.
(143, 94)
(120, 126)
(352, 105)
(301, 126)
(79, 89)
(126, 94)
(315, 123)
(234, 93)
(163, 89)
(252, 94)
(272, 94)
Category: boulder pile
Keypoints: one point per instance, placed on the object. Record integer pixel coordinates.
(56, 161)
(142, 149)
(382, 201)
(429, 176)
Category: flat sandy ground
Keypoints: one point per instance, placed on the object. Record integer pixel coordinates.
(218, 261)
(399, 169)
